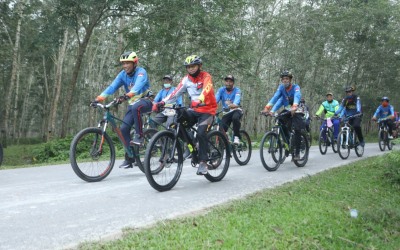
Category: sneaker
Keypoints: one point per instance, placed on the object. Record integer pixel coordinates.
(138, 140)
(187, 154)
(297, 157)
(126, 164)
(390, 137)
(236, 140)
(362, 143)
(202, 170)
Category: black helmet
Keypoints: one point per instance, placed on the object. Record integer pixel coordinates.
(349, 89)
(286, 73)
(385, 98)
(193, 60)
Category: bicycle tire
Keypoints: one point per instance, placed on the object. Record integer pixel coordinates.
(357, 147)
(239, 151)
(322, 144)
(389, 144)
(90, 138)
(140, 150)
(218, 156)
(304, 152)
(343, 149)
(382, 140)
(271, 146)
(161, 172)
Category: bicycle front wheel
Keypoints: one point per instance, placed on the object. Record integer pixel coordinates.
(162, 166)
(242, 152)
(323, 143)
(270, 151)
(342, 146)
(218, 156)
(382, 140)
(92, 155)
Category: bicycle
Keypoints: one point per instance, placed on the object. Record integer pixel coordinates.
(275, 146)
(164, 154)
(242, 151)
(383, 135)
(92, 150)
(326, 137)
(347, 139)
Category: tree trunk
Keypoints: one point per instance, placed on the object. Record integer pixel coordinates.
(57, 86)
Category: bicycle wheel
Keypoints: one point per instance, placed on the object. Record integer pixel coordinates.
(333, 141)
(140, 151)
(162, 166)
(218, 156)
(270, 151)
(242, 152)
(357, 147)
(92, 155)
(382, 140)
(304, 151)
(322, 143)
(389, 144)
(342, 146)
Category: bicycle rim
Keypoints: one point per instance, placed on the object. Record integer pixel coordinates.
(92, 155)
(343, 148)
(270, 151)
(218, 156)
(242, 152)
(162, 166)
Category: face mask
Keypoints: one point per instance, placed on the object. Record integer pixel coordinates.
(167, 85)
(286, 85)
(228, 88)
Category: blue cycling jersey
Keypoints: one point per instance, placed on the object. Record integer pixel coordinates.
(350, 105)
(164, 93)
(285, 97)
(232, 96)
(383, 112)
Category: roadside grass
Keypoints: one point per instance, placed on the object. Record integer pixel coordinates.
(312, 213)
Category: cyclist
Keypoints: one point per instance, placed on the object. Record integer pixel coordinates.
(136, 85)
(289, 96)
(198, 84)
(329, 107)
(164, 92)
(230, 98)
(351, 105)
(385, 110)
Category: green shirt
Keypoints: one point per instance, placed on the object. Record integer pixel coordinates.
(328, 108)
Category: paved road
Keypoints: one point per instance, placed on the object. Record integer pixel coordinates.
(51, 208)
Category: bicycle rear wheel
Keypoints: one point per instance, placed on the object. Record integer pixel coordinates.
(333, 142)
(357, 147)
(162, 166)
(92, 155)
(382, 140)
(270, 151)
(304, 151)
(242, 152)
(389, 144)
(218, 156)
(342, 146)
(322, 143)
(140, 151)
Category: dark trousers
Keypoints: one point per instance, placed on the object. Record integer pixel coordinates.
(391, 125)
(297, 123)
(232, 117)
(356, 124)
(134, 116)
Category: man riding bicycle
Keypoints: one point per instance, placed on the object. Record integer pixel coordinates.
(351, 105)
(288, 95)
(386, 111)
(136, 84)
(198, 84)
(329, 107)
(230, 98)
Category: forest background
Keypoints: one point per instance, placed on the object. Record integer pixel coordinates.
(58, 55)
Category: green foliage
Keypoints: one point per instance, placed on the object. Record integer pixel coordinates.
(392, 164)
(52, 151)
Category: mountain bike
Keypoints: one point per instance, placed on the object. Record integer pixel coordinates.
(242, 151)
(92, 151)
(326, 137)
(275, 146)
(347, 139)
(383, 135)
(164, 154)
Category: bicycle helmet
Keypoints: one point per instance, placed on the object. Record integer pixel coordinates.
(129, 56)
(349, 89)
(286, 73)
(385, 98)
(193, 60)
(167, 77)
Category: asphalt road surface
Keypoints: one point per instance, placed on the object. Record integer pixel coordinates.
(51, 208)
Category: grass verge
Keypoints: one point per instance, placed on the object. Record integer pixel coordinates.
(312, 213)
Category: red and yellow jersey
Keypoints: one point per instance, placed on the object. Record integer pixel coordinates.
(200, 89)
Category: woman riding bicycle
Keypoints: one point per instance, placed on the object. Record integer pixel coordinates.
(386, 111)
(137, 87)
(288, 95)
(198, 84)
